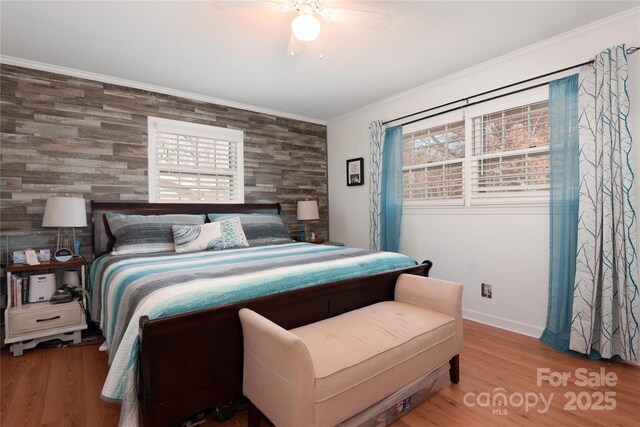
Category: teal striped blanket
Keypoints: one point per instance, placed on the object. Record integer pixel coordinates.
(124, 288)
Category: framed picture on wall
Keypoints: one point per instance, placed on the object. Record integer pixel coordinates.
(355, 171)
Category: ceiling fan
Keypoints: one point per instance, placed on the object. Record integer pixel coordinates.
(305, 27)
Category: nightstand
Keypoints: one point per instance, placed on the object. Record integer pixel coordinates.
(30, 324)
(325, 242)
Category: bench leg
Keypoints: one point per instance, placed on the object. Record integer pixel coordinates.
(454, 369)
(254, 415)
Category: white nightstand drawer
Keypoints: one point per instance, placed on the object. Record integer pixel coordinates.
(43, 316)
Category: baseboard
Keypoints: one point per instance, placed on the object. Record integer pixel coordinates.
(513, 326)
(503, 323)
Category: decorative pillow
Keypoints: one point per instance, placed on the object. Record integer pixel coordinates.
(142, 234)
(232, 233)
(224, 234)
(260, 229)
(191, 238)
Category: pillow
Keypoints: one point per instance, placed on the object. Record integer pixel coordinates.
(143, 234)
(232, 233)
(223, 234)
(260, 229)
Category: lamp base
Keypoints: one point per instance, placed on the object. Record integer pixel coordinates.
(307, 233)
(68, 242)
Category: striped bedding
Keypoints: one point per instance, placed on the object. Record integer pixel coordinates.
(123, 288)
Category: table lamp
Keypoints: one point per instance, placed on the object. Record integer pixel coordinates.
(69, 212)
(307, 211)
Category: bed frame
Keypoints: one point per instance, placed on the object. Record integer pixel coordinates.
(188, 363)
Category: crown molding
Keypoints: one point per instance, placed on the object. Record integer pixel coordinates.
(495, 61)
(20, 62)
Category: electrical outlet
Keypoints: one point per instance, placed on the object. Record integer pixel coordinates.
(486, 290)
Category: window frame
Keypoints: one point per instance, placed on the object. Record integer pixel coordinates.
(444, 119)
(157, 124)
(519, 100)
(537, 204)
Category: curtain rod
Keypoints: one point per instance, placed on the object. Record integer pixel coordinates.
(629, 51)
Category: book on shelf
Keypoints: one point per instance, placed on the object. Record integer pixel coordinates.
(25, 290)
(19, 290)
(12, 303)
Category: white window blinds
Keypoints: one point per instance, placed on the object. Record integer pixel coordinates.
(510, 158)
(488, 154)
(194, 163)
(433, 161)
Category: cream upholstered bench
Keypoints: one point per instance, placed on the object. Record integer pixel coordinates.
(326, 372)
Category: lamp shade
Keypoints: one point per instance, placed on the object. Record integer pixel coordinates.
(307, 210)
(65, 212)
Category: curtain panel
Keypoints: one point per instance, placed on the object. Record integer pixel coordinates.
(563, 209)
(605, 314)
(386, 185)
(376, 141)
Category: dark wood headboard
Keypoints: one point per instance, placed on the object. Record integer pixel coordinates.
(103, 240)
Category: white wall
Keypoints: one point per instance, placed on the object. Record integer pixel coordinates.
(510, 251)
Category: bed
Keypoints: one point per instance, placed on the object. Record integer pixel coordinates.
(185, 363)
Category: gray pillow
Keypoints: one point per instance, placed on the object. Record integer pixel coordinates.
(260, 229)
(143, 234)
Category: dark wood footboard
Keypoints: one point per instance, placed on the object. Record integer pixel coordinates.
(190, 362)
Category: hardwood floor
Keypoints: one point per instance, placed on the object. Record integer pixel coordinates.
(60, 387)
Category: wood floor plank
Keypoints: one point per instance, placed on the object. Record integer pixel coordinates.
(95, 373)
(61, 387)
(51, 388)
(495, 358)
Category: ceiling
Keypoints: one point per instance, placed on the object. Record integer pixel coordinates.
(239, 54)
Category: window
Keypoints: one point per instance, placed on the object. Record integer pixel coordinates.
(511, 153)
(433, 161)
(494, 153)
(194, 163)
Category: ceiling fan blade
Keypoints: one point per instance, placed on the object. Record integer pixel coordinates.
(358, 18)
(296, 47)
(266, 5)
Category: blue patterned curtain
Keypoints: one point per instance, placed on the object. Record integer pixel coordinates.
(385, 192)
(376, 141)
(391, 196)
(606, 310)
(563, 221)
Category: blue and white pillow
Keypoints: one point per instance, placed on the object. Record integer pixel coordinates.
(216, 235)
(232, 233)
(142, 234)
(260, 229)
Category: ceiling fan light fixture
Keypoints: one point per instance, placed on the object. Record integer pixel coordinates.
(305, 27)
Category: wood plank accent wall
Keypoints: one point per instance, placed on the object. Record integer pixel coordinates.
(62, 135)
